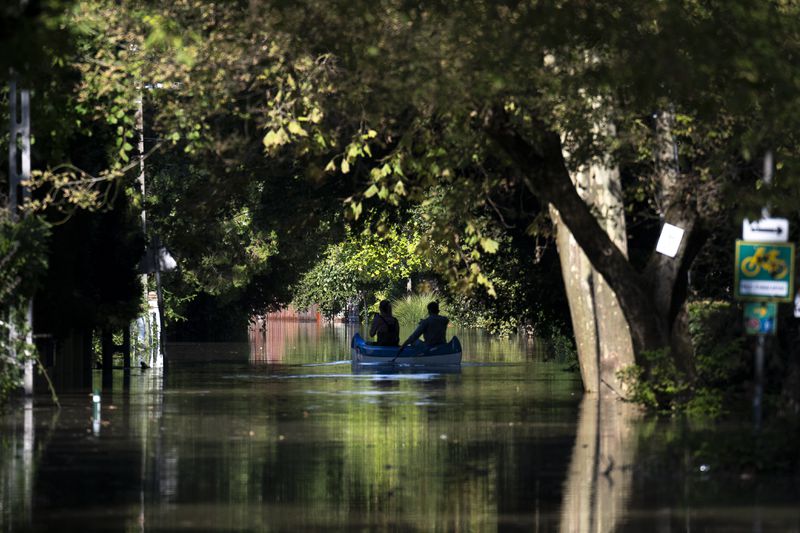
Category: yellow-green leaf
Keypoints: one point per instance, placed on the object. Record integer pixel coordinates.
(296, 129)
(356, 207)
(489, 245)
(372, 191)
(270, 139)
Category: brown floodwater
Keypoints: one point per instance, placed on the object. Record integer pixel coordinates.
(282, 434)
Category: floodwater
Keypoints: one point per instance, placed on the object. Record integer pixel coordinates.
(284, 435)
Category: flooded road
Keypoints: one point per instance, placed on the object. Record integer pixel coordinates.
(284, 435)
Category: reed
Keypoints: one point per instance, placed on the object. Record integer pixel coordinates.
(410, 309)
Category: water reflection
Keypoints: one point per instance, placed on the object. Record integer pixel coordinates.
(306, 443)
(599, 481)
(295, 342)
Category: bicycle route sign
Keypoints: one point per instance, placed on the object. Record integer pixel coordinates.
(764, 271)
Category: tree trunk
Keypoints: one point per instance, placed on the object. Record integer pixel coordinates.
(601, 331)
(577, 273)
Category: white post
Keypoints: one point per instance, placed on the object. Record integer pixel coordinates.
(19, 172)
(141, 350)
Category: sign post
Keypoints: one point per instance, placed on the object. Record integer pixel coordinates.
(764, 276)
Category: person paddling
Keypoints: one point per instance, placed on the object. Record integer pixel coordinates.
(434, 327)
(385, 325)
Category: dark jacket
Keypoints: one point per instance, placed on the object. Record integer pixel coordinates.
(387, 328)
(434, 328)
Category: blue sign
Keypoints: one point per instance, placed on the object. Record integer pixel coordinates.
(761, 318)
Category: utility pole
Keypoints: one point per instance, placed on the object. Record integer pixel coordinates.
(19, 173)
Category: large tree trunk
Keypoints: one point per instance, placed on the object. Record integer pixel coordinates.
(577, 273)
(601, 331)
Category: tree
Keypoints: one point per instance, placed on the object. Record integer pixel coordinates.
(392, 103)
(491, 92)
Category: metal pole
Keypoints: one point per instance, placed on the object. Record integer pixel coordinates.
(767, 177)
(758, 392)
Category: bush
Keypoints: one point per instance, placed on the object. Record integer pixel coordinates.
(22, 265)
(561, 346)
(721, 363)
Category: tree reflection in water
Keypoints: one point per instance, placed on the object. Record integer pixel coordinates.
(599, 481)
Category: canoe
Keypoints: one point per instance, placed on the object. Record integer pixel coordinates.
(416, 354)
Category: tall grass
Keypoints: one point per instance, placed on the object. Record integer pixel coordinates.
(413, 308)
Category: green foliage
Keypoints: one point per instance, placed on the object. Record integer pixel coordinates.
(721, 353)
(23, 261)
(14, 353)
(656, 383)
(528, 291)
(364, 263)
(561, 346)
(23, 257)
(721, 366)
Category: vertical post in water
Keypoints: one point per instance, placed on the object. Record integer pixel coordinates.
(141, 179)
(162, 344)
(758, 392)
(19, 173)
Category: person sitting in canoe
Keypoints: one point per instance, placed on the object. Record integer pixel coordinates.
(385, 325)
(434, 327)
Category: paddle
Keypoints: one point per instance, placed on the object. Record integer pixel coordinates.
(403, 347)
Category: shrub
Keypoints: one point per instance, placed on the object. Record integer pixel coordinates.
(721, 364)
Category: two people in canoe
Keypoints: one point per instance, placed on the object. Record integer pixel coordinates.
(434, 327)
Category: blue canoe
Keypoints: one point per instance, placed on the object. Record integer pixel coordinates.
(416, 354)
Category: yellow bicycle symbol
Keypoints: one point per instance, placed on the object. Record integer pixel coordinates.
(768, 261)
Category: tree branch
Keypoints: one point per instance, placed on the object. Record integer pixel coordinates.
(545, 173)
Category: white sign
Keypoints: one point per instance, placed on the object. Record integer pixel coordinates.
(670, 240)
(758, 287)
(766, 230)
